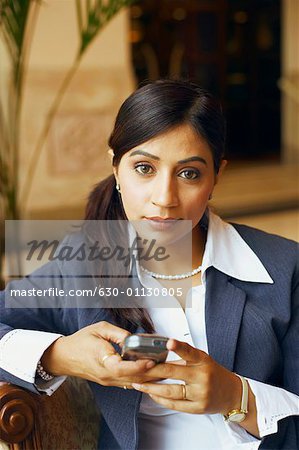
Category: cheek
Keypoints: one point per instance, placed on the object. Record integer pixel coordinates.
(133, 200)
(129, 192)
(197, 203)
(202, 195)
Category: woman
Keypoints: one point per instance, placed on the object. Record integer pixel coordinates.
(238, 319)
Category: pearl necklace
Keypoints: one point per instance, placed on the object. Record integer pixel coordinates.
(171, 277)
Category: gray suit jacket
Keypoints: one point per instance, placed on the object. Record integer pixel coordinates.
(252, 329)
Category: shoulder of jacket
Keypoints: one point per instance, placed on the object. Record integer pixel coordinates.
(260, 236)
(272, 250)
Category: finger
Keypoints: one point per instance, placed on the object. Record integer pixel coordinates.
(140, 379)
(126, 385)
(106, 352)
(178, 362)
(119, 368)
(111, 353)
(170, 391)
(186, 351)
(176, 405)
(172, 371)
(129, 368)
(112, 361)
(110, 332)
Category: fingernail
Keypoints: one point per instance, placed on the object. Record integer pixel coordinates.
(150, 364)
(136, 386)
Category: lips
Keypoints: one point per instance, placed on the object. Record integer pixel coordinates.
(161, 219)
(161, 223)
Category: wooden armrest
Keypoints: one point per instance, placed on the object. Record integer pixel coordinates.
(18, 415)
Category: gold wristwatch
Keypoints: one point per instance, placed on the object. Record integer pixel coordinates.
(238, 415)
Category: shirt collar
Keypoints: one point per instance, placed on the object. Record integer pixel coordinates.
(227, 251)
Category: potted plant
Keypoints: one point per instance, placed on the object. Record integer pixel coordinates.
(17, 24)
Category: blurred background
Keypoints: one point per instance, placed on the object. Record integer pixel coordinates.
(245, 52)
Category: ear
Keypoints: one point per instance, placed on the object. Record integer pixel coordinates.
(221, 170)
(110, 154)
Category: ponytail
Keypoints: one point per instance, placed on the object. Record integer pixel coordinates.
(104, 203)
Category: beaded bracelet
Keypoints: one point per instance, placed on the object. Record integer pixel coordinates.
(42, 373)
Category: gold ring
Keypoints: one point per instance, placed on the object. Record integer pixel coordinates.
(106, 357)
(183, 391)
(125, 387)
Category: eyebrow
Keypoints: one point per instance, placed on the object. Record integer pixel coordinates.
(182, 161)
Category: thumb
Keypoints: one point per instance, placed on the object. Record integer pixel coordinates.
(110, 332)
(186, 351)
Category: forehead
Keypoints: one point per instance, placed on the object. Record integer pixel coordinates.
(175, 144)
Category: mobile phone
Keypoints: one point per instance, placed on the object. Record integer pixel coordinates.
(145, 346)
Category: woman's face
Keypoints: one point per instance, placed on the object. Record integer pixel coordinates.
(168, 177)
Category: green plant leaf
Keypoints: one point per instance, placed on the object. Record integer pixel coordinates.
(17, 20)
(16, 26)
(97, 14)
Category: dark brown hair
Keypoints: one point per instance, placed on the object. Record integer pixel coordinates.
(149, 111)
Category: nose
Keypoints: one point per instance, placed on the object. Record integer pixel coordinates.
(165, 192)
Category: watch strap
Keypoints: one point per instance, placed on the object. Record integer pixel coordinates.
(244, 400)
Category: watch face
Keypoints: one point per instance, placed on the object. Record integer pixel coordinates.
(237, 417)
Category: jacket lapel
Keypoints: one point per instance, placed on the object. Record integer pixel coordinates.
(223, 311)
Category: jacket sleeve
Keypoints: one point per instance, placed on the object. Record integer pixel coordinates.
(21, 310)
(287, 437)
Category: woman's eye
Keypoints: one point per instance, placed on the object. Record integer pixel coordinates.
(189, 174)
(143, 169)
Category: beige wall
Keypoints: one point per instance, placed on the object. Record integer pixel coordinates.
(74, 155)
(56, 40)
(289, 82)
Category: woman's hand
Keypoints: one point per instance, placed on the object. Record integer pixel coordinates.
(209, 387)
(81, 354)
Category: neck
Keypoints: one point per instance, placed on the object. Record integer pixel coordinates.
(180, 260)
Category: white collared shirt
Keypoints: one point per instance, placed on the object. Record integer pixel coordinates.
(159, 428)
